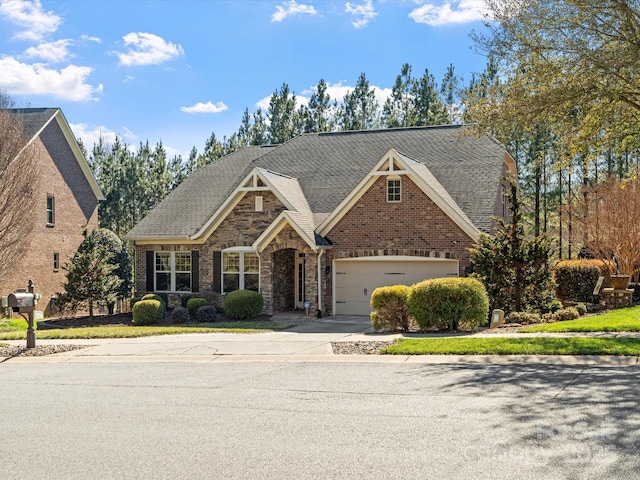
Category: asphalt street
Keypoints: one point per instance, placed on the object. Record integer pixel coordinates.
(297, 420)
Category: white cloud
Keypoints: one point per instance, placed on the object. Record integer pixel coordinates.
(52, 52)
(448, 13)
(128, 79)
(91, 134)
(88, 38)
(292, 8)
(205, 108)
(35, 22)
(363, 13)
(147, 49)
(68, 83)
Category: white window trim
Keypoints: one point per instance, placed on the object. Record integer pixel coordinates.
(172, 272)
(51, 212)
(259, 203)
(392, 178)
(241, 272)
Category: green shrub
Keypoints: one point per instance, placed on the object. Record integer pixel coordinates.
(180, 315)
(553, 306)
(523, 318)
(391, 312)
(207, 314)
(569, 313)
(447, 303)
(148, 312)
(576, 279)
(212, 298)
(133, 301)
(549, 317)
(194, 304)
(184, 299)
(636, 291)
(243, 304)
(164, 297)
(581, 308)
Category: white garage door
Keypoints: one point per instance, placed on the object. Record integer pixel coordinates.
(355, 279)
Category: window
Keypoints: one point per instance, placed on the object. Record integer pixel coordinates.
(503, 199)
(56, 261)
(393, 190)
(51, 210)
(173, 272)
(240, 271)
(258, 203)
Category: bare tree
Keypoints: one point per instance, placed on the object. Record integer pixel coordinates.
(610, 223)
(19, 183)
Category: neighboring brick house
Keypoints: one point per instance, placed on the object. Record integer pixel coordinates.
(326, 218)
(68, 204)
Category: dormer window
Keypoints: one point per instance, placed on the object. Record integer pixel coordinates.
(394, 190)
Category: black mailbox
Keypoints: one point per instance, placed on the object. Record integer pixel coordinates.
(22, 302)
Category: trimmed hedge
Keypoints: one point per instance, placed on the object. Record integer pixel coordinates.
(180, 315)
(148, 312)
(243, 304)
(576, 279)
(391, 312)
(207, 314)
(448, 303)
(193, 304)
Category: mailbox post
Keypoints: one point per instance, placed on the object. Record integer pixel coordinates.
(25, 302)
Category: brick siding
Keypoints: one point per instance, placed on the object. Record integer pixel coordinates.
(75, 211)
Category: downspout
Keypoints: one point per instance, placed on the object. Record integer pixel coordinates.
(321, 251)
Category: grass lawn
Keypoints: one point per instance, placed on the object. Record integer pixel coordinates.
(16, 329)
(620, 320)
(515, 346)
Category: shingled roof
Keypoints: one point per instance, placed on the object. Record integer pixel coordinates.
(328, 166)
(36, 120)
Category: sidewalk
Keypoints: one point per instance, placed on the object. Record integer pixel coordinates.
(309, 341)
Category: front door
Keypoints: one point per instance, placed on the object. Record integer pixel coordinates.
(299, 280)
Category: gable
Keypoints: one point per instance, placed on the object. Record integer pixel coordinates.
(391, 166)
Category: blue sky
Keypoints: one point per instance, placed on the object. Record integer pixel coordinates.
(177, 70)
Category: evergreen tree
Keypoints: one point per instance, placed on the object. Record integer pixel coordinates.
(92, 278)
(399, 109)
(360, 107)
(321, 112)
(282, 115)
(449, 90)
(429, 108)
(514, 269)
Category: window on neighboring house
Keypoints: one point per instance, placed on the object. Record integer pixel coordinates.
(56, 261)
(393, 190)
(240, 271)
(173, 272)
(503, 200)
(51, 210)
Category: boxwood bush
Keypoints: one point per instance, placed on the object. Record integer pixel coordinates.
(133, 301)
(390, 305)
(148, 312)
(193, 304)
(207, 314)
(212, 298)
(449, 303)
(243, 304)
(180, 315)
(158, 297)
(523, 318)
(576, 279)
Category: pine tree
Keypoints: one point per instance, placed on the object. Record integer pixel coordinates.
(360, 107)
(92, 276)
